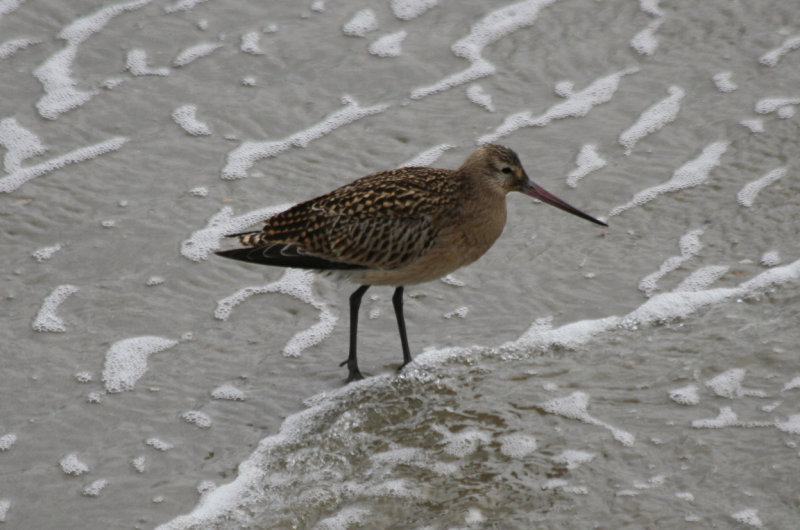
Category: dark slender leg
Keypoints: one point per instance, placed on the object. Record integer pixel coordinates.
(397, 301)
(352, 360)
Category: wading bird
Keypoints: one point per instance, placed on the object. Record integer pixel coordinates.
(398, 227)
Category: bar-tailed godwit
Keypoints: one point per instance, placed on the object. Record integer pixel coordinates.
(398, 227)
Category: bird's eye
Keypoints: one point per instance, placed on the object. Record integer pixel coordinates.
(506, 170)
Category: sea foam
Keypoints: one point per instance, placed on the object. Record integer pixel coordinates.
(408, 9)
(653, 118)
(389, 45)
(689, 175)
(587, 161)
(46, 319)
(491, 28)
(747, 195)
(248, 153)
(186, 117)
(126, 361)
(576, 105)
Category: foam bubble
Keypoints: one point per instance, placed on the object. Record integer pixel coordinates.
(723, 82)
(686, 395)
(572, 458)
(791, 425)
(460, 312)
(139, 464)
(452, 280)
(126, 361)
(46, 319)
(248, 80)
(136, 63)
(408, 9)
(159, 444)
(651, 7)
(206, 240)
(702, 278)
(794, 383)
(747, 195)
(427, 157)
(362, 23)
(20, 176)
(296, 283)
(94, 489)
(55, 73)
(645, 42)
(20, 144)
(476, 94)
(45, 253)
(770, 258)
(198, 418)
(389, 45)
(653, 118)
(729, 384)
(725, 418)
(12, 46)
(250, 43)
(767, 105)
(152, 281)
(244, 156)
(689, 175)
(7, 440)
(182, 5)
(491, 28)
(748, 516)
(685, 496)
(318, 6)
(689, 245)
(192, 53)
(772, 57)
(577, 105)
(228, 392)
(94, 397)
(587, 161)
(5, 504)
(474, 517)
(755, 125)
(462, 443)
(517, 445)
(186, 117)
(574, 406)
(83, 377)
(71, 465)
(347, 517)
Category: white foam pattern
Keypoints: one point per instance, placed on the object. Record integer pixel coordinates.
(587, 161)
(689, 175)
(747, 195)
(136, 64)
(193, 53)
(47, 319)
(126, 360)
(653, 118)
(248, 153)
(409, 9)
(576, 105)
(389, 45)
(363, 22)
(298, 284)
(186, 117)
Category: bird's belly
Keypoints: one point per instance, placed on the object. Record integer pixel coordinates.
(459, 247)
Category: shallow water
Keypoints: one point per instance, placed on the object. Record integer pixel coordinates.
(640, 376)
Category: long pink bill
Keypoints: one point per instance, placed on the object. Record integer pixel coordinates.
(537, 192)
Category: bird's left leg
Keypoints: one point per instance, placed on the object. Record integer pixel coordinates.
(397, 301)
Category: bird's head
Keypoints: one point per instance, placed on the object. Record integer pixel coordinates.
(502, 170)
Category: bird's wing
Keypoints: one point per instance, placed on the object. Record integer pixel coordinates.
(384, 220)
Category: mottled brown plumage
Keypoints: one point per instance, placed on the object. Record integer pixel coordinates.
(398, 227)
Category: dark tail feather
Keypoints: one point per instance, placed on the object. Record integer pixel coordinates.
(285, 256)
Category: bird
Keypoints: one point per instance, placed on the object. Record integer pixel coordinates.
(398, 227)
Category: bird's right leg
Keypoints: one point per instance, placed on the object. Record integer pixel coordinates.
(352, 360)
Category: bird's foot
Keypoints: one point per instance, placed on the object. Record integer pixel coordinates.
(355, 373)
(405, 363)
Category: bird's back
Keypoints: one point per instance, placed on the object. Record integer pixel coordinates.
(382, 221)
